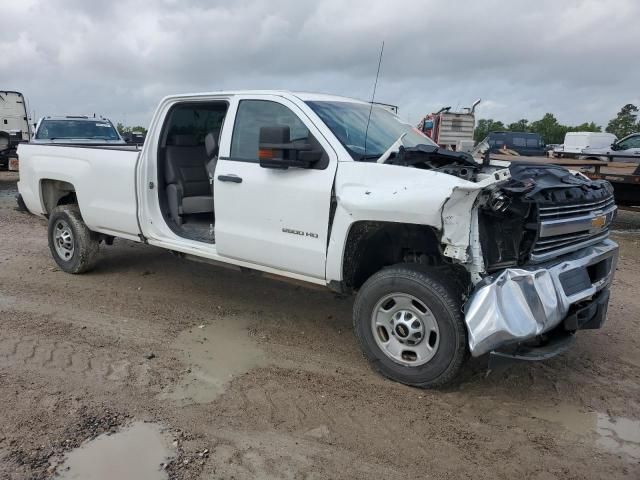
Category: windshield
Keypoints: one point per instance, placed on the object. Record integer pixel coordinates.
(348, 122)
(77, 129)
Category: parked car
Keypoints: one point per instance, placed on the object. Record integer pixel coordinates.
(627, 148)
(524, 143)
(76, 129)
(447, 256)
(14, 126)
(576, 142)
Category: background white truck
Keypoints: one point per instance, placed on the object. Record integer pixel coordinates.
(448, 255)
(576, 142)
(14, 126)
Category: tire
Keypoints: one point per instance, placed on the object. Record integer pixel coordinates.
(74, 247)
(443, 341)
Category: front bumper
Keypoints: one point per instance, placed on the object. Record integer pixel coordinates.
(520, 304)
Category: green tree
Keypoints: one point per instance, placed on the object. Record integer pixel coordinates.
(586, 127)
(521, 125)
(122, 129)
(549, 129)
(625, 121)
(139, 128)
(486, 125)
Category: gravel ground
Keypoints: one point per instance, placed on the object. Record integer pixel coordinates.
(254, 378)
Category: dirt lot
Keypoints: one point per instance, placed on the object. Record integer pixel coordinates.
(248, 377)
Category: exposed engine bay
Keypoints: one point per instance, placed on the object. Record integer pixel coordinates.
(431, 157)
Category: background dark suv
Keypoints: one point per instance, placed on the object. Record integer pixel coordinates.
(528, 144)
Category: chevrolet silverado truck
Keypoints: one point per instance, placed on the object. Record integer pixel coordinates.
(447, 255)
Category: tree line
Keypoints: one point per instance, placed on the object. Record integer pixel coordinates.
(552, 131)
(122, 129)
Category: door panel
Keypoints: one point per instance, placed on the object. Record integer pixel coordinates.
(275, 218)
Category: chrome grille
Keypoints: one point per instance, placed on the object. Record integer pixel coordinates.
(573, 210)
(566, 228)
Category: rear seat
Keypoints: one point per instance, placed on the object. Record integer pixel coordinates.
(187, 181)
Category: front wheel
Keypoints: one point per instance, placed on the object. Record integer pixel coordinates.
(409, 324)
(74, 247)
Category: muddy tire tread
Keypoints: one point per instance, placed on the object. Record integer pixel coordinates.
(441, 286)
(87, 244)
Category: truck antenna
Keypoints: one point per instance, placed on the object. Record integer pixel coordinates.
(373, 96)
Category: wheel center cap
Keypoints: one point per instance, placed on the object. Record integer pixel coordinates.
(401, 330)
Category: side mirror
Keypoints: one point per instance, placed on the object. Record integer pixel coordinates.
(276, 150)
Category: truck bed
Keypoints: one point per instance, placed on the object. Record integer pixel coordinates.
(102, 176)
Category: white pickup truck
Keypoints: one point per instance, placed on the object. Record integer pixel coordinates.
(448, 255)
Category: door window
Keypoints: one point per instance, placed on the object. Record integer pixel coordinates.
(252, 116)
(632, 142)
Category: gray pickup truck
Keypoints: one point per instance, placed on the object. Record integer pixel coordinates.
(625, 149)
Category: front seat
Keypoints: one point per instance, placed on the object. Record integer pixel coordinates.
(211, 147)
(188, 189)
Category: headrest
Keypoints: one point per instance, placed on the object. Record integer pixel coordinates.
(184, 140)
(211, 144)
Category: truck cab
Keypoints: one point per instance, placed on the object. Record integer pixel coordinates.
(446, 254)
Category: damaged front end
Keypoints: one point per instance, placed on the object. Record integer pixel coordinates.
(520, 304)
(539, 255)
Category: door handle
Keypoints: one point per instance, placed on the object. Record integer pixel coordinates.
(230, 178)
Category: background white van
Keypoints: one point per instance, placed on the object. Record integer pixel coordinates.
(575, 142)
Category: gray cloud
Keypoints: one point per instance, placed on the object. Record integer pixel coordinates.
(574, 58)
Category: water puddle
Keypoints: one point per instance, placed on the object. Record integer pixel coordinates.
(134, 453)
(617, 435)
(215, 353)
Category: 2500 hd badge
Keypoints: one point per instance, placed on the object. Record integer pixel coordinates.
(300, 232)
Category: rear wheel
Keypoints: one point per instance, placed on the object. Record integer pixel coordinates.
(409, 324)
(74, 247)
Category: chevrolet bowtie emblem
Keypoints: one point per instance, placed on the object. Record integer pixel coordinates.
(599, 221)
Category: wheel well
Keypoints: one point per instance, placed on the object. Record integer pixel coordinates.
(372, 246)
(57, 192)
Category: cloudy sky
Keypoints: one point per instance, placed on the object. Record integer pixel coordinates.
(575, 58)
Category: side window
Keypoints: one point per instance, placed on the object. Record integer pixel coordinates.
(255, 114)
(632, 142)
(519, 142)
(195, 120)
